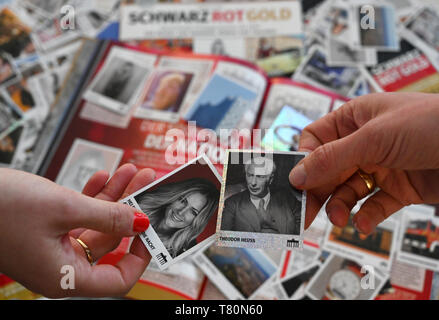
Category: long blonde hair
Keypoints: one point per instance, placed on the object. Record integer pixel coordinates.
(154, 204)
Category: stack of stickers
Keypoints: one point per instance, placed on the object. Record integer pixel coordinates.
(39, 43)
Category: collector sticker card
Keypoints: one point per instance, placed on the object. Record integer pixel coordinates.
(284, 133)
(343, 279)
(408, 70)
(293, 286)
(8, 71)
(231, 98)
(295, 260)
(16, 34)
(201, 70)
(340, 54)
(8, 117)
(119, 82)
(93, 112)
(23, 92)
(422, 30)
(418, 242)
(182, 208)
(49, 34)
(84, 159)
(165, 95)
(379, 33)
(10, 146)
(375, 249)
(285, 99)
(239, 273)
(258, 207)
(315, 71)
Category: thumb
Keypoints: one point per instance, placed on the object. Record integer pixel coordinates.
(330, 161)
(107, 217)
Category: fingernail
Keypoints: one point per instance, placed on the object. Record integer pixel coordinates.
(298, 176)
(336, 215)
(362, 225)
(333, 216)
(141, 222)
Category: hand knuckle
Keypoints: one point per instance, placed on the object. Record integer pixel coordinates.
(323, 157)
(349, 106)
(69, 203)
(117, 215)
(359, 111)
(345, 120)
(377, 207)
(375, 146)
(374, 136)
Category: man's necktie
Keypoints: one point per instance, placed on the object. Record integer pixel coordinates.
(261, 209)
(267, 223)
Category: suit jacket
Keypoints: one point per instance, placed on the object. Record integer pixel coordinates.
(240, 214)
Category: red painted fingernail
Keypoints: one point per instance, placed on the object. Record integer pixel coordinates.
(141, 222)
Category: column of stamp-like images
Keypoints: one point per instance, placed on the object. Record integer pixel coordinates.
(80, 92)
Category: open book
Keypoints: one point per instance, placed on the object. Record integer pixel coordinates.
(123, 104)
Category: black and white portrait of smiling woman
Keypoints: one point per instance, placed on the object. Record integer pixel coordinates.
(180, 211)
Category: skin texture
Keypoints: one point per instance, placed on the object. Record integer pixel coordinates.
(182, 212)
(257, 183)
(40, 221)
(168, 92)
(394, 137)
(259, 179)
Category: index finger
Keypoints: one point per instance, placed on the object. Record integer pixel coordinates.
(333, 126)
(142, 179)
(351, 116)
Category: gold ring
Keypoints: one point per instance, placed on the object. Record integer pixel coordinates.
(368, 180)
(86, 250)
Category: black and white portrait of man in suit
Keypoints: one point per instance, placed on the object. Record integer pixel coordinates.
(263, 201)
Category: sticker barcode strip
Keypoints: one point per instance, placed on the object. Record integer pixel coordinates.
(161, 258)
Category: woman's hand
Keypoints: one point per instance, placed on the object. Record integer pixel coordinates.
(394, 137)
(41, 220)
